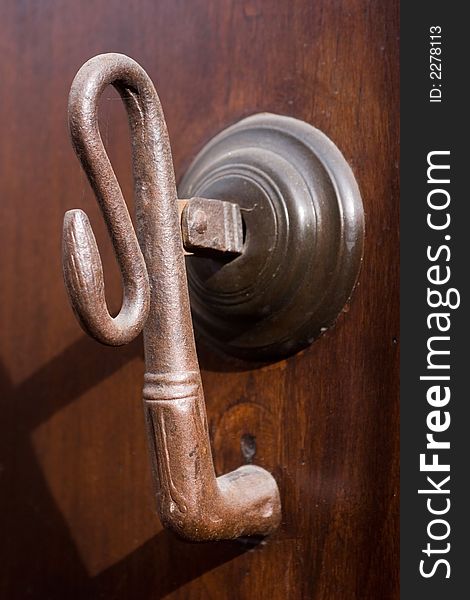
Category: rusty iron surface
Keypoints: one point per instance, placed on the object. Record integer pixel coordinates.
(211, 227)
(191, 500)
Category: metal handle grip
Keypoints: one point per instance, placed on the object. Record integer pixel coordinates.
(191, 500)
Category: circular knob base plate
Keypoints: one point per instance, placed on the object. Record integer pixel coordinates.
(304, 233)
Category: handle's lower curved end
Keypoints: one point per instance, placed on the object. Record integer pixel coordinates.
(191, 500)
(246, 504)
(251, 496)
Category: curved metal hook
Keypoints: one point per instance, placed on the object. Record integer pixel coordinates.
(191, 499)
(81, 260)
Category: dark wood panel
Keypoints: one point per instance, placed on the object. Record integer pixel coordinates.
(76, 510)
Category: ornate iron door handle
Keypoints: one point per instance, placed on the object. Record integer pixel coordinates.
(298, 256)
(191, 500)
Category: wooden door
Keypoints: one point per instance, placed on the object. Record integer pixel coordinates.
(77, 513)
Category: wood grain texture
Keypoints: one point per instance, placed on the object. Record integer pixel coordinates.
(76, 506)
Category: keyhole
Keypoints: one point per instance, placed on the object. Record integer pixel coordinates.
(248, 447)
